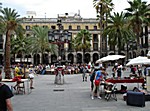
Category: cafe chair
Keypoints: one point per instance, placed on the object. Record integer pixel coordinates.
(20, 87)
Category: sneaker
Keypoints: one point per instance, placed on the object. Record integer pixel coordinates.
(99, 97)
(92, 97)
(31, 87)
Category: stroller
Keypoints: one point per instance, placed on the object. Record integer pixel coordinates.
(110, 91)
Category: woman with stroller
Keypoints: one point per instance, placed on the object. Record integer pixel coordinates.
(99, 73)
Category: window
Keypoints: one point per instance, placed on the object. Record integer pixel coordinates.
(86, 27)
(95, 46)
(27, 35)
(45, 26)
(95, 27)
(78, 27)
(53, 27)
(95, 38)
(27, 27)
(95, 42)
(36, 25)
(70, 27)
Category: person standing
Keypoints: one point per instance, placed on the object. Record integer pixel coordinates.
(84, 70)
(119, 71)
(97, 80)
(5, 96)
(31, 76)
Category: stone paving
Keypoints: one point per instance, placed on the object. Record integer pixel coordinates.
(74, 95)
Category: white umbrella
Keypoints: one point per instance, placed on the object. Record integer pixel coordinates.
(110, 58)
(138, 61)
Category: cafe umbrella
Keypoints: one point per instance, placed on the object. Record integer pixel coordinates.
(110, 58)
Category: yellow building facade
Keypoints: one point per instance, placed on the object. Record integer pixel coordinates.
(99, 45)
(72, 24)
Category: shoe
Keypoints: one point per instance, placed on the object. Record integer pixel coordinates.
(99, 97)
(31, 87)
(92, 97)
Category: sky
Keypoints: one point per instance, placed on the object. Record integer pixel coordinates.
(51, 8)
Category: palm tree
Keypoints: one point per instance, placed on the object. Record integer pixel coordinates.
(19, 45)
(10, 21)
(119, 32)
(137, 14)
(103, 9)
(82, 41)
(40, 43)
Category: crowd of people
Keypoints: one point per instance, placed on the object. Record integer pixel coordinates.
(96, 72)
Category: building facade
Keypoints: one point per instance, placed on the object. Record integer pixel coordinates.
(99, 47)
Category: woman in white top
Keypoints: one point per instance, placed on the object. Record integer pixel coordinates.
(31, 76)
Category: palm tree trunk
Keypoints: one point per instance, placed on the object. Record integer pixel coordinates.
(7, 56)
(14, 58)
(119, 46)
(138, 44)
(83, 55)
(42, 58)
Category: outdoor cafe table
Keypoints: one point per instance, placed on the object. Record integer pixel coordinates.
(11, 83)
(125, 80)
(135, 80)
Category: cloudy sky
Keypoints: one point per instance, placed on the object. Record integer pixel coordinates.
(51, 8)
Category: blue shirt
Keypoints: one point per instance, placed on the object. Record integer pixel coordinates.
(98, 75)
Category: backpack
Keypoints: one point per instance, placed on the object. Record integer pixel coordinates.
(92, 76)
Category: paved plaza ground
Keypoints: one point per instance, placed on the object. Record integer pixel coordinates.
(74, 95)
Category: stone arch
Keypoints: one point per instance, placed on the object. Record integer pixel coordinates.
(70, 58)
(130, 55)
(87, 58)
(146, 52)
(142, 53)
(79, 58)
(134, 54)
(53, 59)
(36, 59)
(45, 59)
(95, 57)
(19, 56)
(28, 56)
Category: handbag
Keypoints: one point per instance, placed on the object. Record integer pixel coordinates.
(97, 82)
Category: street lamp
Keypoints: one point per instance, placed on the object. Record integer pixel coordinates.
(59, 37)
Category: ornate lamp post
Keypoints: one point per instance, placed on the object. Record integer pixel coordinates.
(61, 38)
